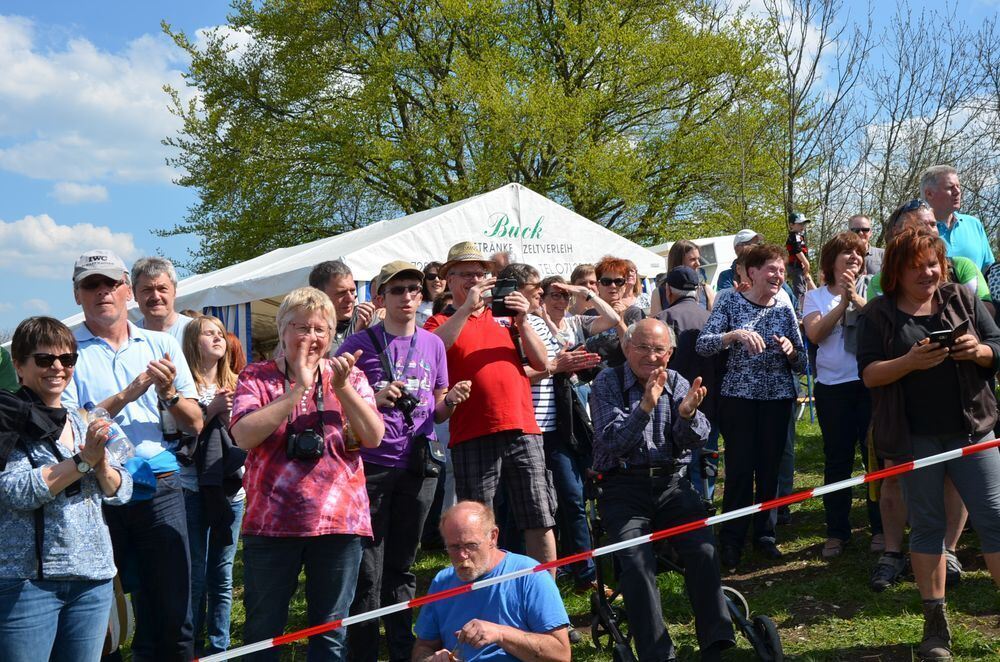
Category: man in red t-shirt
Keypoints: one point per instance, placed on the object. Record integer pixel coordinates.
(495, 429)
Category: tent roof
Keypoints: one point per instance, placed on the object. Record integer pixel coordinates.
(533, 228)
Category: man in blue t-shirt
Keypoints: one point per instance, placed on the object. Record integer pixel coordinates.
(519, 619)
(134, 374)
(963, 234)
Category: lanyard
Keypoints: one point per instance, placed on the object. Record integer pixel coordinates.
(383, 353)
(317, 398)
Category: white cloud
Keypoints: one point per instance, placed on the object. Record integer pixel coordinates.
(70, 193)
(75, 112)
(6, 306)
(36, 306)
(38, 247)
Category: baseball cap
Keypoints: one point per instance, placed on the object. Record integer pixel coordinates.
(99, 263)
(744, 236)
(797, 217)
(683, 278)
(395, 269)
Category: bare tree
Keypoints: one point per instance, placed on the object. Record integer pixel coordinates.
(820, 54)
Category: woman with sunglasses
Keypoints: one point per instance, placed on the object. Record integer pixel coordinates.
(612, 287)
(303, 418)
(432, 288)
(56, 563)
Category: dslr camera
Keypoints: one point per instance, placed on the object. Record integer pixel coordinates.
(406, 403)
(307, 445)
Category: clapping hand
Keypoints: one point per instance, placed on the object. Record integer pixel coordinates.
(695, 395)
(342, 366)
(785, 344)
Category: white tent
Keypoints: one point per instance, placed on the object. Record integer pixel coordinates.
(512, 218)
(717, 254)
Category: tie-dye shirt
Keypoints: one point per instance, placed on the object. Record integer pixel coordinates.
(290, 498)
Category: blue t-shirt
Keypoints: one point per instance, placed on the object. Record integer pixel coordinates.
(426, 372)
(967, 238)
(531, 603)
(102, 372)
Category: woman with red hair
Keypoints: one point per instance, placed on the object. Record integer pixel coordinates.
(930, 395)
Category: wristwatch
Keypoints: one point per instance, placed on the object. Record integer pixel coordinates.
(171, 401)
(82, 465)
(590, 295)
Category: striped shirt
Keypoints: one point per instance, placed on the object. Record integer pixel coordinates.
(543, 395)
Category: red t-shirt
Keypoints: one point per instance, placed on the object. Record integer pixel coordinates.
(287, 498)
(484, 353)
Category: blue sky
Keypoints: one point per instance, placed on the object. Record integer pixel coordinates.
(82, 114)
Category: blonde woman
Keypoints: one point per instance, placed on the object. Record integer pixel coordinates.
(306, 497)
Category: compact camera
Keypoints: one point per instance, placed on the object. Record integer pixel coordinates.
(406, 404)
(307, 445)
(498, 306)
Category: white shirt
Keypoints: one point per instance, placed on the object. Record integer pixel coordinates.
(834, 365)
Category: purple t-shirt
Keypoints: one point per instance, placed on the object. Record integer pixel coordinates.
(427, 371)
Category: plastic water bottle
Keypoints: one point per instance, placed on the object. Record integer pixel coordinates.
(118, 446)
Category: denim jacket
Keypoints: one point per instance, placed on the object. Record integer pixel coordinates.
(76, 542)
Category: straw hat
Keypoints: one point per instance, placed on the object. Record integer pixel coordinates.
(465, 251)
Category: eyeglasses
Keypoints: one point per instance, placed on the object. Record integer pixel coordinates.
(433, 276)
(43, 360)
(399, 290)
(861, 230)
(468, 548)
(913, 205)
(651, 349)
(302, 330)
(608, 282)
(467, 275)
(558, 295)
(96, 283)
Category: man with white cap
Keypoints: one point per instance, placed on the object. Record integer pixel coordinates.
(495, 430)
(133, 373)
(742, 242)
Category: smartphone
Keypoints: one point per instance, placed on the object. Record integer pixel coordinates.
(501, 289)
(947, 337)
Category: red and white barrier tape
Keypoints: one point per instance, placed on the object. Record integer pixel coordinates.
(607, 549)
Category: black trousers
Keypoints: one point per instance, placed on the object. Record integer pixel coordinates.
(633, 506)
(844, 411)
(399, 504)
(755, 433)
(152, 535)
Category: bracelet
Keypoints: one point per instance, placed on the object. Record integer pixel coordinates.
(449, 405)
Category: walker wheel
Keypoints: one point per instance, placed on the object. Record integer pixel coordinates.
(770, 643)
(738, 601)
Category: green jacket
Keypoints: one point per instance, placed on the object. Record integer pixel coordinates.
(8, 377)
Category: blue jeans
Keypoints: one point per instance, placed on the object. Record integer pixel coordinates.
(211, 576)
(150, 543)
(52, 619)
(568, 469)
(271, 575)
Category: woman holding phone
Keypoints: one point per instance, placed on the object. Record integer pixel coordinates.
(929, 397)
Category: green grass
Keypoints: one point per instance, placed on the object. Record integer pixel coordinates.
(824, 610)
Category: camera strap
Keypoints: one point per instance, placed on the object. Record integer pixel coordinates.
(383, 353)
(317, 398)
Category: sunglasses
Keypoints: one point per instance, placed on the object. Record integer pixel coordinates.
(558, 295)
(432, 277)
(861, 230)
(95, 283)
(399, 290)
(913, 205)
(608, 282)
(43, 360)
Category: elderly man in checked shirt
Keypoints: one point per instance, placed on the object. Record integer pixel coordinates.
(646, 421)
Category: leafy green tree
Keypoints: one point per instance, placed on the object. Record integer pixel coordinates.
(341, 113)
